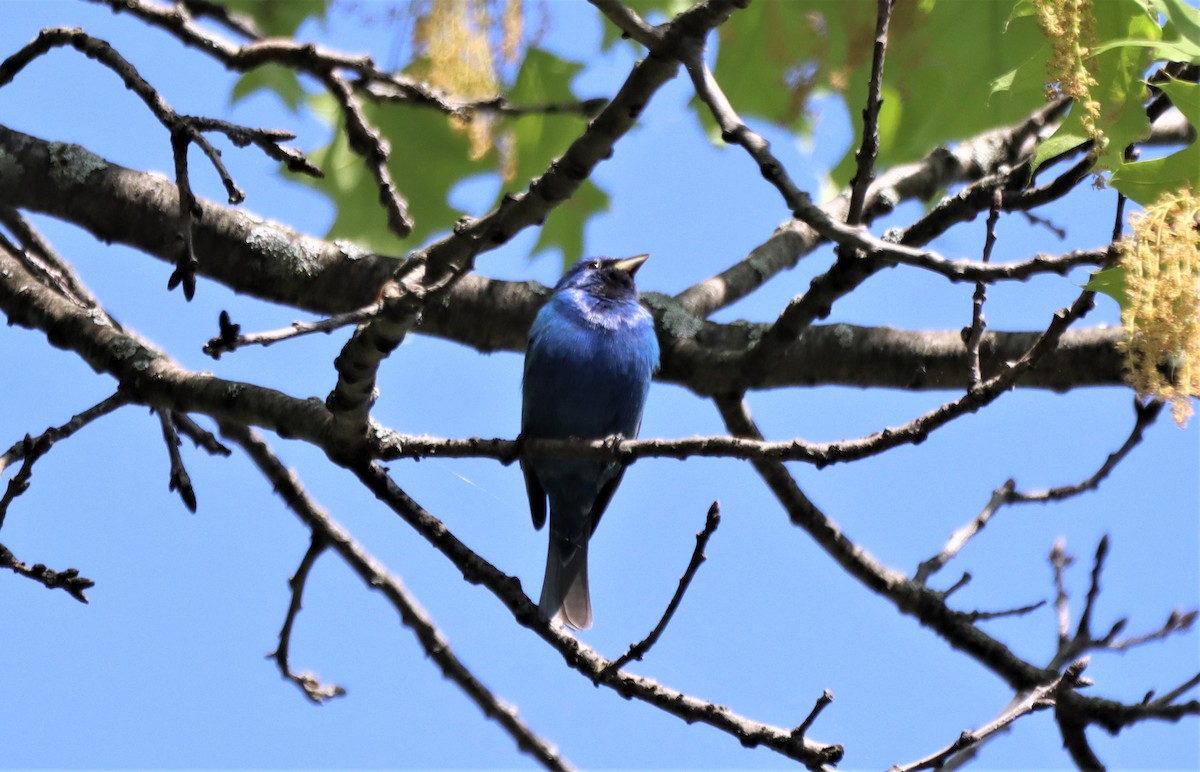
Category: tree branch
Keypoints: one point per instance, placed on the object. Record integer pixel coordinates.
(375, 576)
(638, 650)
(577, 655)
(275, 263)
(430, 273)
(316, 692)
(68, 580)
(1036, 699)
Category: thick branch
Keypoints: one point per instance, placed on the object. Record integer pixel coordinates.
(437, 268)
(275, 263)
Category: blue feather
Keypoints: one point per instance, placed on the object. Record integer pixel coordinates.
(592, 354)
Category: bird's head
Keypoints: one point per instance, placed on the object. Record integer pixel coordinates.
(604, 277)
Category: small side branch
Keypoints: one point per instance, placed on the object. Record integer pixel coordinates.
(330, 534)
(1145, 415)
(231, 338)
(184, 131)
(822, 702)
(180, 480)
(865, 156)
(1036, 699)
(639, 649)
(374, 150)
(68, 580)
(1072, 644)
(30, 449)
(962, 536)
(312, 687)
(974, 333)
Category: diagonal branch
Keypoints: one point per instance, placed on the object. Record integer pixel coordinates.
(1036, 699)
(864, 157)
(577, 655)
(1008, 493)
(316, 692)
(329, 533)
(30, 449)
(638, 650)
(430, 273)
(973, 159)
(68, 580)
(910, 598)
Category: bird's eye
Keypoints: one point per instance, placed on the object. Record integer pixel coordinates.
(593, 264)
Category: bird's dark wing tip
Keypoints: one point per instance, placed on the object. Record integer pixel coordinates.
(537, 497)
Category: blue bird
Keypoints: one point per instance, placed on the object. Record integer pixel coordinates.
(592, 352)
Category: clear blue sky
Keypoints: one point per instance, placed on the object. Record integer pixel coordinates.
(165, 667)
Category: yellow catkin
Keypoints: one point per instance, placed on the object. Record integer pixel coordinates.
(1068, 25)
(454, 37)
(1162, 317)
(512, 27)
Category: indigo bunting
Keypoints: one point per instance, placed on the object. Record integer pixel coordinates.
(592, 352)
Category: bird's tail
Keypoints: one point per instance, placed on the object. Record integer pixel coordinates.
(565, 588)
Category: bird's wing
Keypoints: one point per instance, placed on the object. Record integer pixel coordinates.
(604, 496)
(537, 496)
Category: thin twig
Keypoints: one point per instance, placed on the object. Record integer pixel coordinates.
(638, 650)
(983, 616)
(1060, 560)
(68, 580)
(630, 24)
(978, 323)
(200, 437)
(309, 684)
(30, 449)
(1084, 630)
(1036, 699)
(821, 703)
(179, 479)
(864, 157)
(1145, 415)
(183, 129)
(962, 536)
(231, 338)
(1177, 692)
(376, 576)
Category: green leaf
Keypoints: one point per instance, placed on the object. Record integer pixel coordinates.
(279, 18)
(275, 78)
(1146, 181)
(1185, 96)
(430, 155)
(563, 229)
(428, 158)
(942, 61)
(1182, 20)
(1058, 143)
(1111, 282)
(537, 139)
(1119, 88)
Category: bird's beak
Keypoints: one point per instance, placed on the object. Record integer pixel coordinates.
(630, 264)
